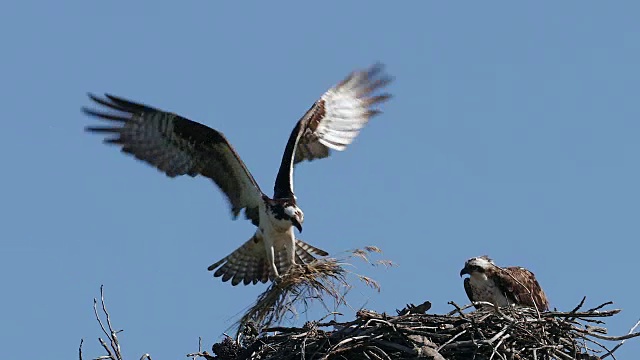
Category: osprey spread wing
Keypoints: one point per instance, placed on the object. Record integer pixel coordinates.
(178, 146)
(502, 286)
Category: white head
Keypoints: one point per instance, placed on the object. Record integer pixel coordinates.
(478, 265)
(296, 215)
(290, 210)
(287, 212)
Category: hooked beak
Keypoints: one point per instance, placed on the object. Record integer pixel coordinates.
(297, 224)
(464, 271)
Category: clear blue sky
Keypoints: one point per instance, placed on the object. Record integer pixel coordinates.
(513, 132)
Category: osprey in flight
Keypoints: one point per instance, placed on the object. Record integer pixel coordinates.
(178, 146)
(502, 286)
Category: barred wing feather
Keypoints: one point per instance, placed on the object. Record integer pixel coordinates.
(332, 122)
(178, 146)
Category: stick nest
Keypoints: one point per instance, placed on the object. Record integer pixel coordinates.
(463, 334)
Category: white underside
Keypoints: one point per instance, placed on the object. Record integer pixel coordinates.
(485, 289)
(278, 236)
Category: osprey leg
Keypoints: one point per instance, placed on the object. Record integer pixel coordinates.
(271, 260)
(289, 247)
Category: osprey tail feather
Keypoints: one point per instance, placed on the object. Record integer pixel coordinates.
(248, 263)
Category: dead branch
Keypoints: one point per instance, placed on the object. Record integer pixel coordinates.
(113, 348)
(610, 353)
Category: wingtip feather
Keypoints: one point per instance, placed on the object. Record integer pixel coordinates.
(93, 97)
(375, 69)
(102, 129)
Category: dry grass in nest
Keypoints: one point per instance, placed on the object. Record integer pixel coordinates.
(322, 280)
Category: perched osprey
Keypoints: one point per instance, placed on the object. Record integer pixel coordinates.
(178, 146)
(502, 286)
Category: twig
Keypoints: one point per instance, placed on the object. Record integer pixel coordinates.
(579, 306)
(458, 308)
(608, 338)
(621, 342)
(113, 349)
(452, 339)
(114, 339)
(107, 349)
(203, 354)
(600, 306)
(95, 311)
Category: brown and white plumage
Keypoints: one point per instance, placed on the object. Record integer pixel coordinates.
(249, 263)
(178, 146)
(502, 286)
(332, 122)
